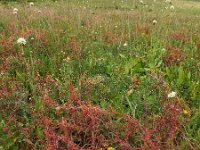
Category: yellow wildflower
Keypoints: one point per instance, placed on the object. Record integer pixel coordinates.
(110, 148)
(185, 112)
(130, 92)
(67, 59)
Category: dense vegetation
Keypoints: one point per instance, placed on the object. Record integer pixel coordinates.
(94, 74)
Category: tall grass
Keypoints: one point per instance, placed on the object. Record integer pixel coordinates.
(97, 74)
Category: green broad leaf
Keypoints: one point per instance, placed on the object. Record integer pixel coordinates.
(19, 77)
(189, 75)
(152, 65)
(138, 68)
(159, 64)
(169, 74)
(122, 56)
(103, 104)
(39, 133)
(181, 76)
(10, 142)
(127, 68)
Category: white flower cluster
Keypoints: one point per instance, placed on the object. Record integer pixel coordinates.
(171, 7)
(125, 44)
(155, 22)
(15, 11)
(21, 41)
(31, 4)
(141, 2)
(171, 95)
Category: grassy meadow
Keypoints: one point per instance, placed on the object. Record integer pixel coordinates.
(100, 75)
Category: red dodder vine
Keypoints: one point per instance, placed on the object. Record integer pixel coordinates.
(79, 125)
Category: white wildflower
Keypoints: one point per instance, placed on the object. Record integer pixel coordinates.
(154, 22)
(31, 4)
(58, 108)
(125, 44)
(141, 2)
(21, 41)
(163, 50)
(171, 95)
(172, 7)
(15, 11)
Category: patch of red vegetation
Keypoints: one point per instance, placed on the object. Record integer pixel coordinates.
(174, 57)
(142, 30)
(73, 44)
(179, 36)
(110, 38)
(6, 46)
(79, 125)
(8, 88)
(86, 24)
